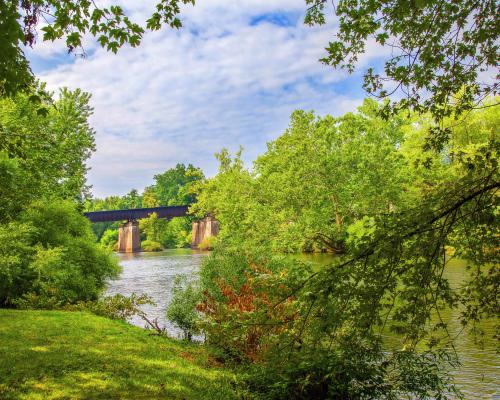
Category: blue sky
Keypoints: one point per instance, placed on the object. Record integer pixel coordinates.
(231, 76)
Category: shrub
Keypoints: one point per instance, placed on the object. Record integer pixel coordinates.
(109, 238)
(207, 243)
(265, 312)
(49, 257)
(239, 290)
(182, 309)
(149, 245)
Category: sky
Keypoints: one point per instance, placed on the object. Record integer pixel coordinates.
(231, 76)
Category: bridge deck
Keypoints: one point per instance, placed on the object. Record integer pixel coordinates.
(136, 213)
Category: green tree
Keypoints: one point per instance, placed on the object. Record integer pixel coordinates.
(109, 238)
(50, 150)
(150, 198)
(316, 179)
(131, 200)
(351, 166)
(440, 51)
(49, 257)
(231, 197)
(173, 187)
(319, 333)
(48, 254)
(177, 233)
(152, 227)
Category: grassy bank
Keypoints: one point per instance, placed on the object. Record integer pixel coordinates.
(72, 355)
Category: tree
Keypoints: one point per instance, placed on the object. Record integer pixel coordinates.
(131, 200)
(352, 168)
(232, 198)
(71, 20)
(48, 253)
(48, 258)
(320, 176)
(173, 187)
(150, 198)
(318, 332)
(48, 151)
(441, 52)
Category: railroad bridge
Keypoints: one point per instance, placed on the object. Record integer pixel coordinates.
(129, 239)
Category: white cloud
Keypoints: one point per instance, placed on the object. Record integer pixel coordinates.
(219, 81)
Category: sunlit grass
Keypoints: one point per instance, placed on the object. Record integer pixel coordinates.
(71, 355)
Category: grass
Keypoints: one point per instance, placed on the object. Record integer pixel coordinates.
(75, 355)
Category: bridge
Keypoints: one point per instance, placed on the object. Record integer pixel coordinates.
(129, 239)
(136, 213)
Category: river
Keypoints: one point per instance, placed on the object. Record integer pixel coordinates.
(153, 274)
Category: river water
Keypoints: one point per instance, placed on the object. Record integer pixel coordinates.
(153, 274)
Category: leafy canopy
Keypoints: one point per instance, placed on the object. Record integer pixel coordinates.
(444, 54)
(319, 332)
(44, 155)
(71, 20)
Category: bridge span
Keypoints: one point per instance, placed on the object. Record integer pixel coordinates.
(129, 238)
(134, 214)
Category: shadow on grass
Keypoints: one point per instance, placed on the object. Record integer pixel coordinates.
(57, 355)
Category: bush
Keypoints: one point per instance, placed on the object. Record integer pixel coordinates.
(49, 257)
(266, 313)
(182, 310)
(176, 233)
(207, 243)
(239, 290)
(149, 245)
(109, 239)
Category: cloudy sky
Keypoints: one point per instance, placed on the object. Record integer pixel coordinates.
(231, 76)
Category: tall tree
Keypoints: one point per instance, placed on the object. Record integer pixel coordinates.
(50, 149)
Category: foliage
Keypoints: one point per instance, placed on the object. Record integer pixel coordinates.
(20, 23)
(318, 333)
(151, 227)
(120, 307)
(208, 243)
(114, 307)
(45, 154)
(174, 186)
(300, 347)
(353, 169)
(15, 187)
(440, 52)
(160, 232)
(15, 73)
(237, 286)
(230, 196)
(101, 359)
(110, 239)
(182, 309)
(49, 257)
(177, 233)
(149, 245)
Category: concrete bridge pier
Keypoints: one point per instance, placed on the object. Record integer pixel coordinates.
(129, 237)
(202, 230)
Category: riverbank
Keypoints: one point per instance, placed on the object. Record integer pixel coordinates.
(55, 355)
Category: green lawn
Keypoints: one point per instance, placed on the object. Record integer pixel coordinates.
(74, 355)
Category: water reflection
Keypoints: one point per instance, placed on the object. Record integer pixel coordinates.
(153, 274)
